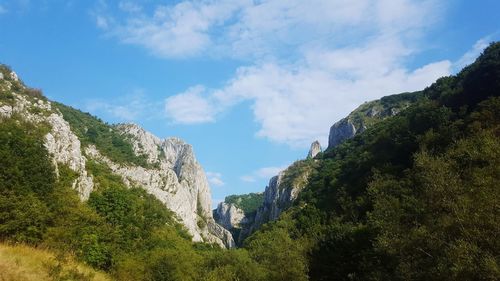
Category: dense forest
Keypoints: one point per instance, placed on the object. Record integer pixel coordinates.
(414, 197)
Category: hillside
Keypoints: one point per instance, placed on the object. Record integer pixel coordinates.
(22, 263)
(413, 197)
(284, 188)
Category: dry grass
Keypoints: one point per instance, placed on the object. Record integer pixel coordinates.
(23, 263)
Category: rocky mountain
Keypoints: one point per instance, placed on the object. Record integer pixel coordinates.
(366, 115)
(165, 168)
(284, 188)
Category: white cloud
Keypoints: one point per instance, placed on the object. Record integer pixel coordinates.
(296, 105)
(190, 107)
(263, 173)
(344, 54)
(253, 29)
(176, 30)
(129, 6)
(472, 54)
(102, 22)
(131, 107)
(215, 178)
(248, 178)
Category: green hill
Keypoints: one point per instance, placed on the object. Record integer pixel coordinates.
(414, 197)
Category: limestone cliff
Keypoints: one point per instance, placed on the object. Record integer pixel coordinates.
(230, 216)
(281, 191)
(63, 146)
(314, 150)
(171, 172)
(366, 115)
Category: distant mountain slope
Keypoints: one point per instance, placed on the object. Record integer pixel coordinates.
(237, 213)
(368, 114)
(285, 187)
(412, 197)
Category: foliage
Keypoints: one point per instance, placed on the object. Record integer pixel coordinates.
(23, 263)
(26, 177)
(275, 250)
(91, 130)
(246, 202)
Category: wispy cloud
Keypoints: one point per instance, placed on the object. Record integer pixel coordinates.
(190, 107)
(3, 10)
(248, 178)
(472, 54)
(215, 179)
(263, 173)
(129, 6)
(131, 107)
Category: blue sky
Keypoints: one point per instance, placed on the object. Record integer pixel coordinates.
(250, 84)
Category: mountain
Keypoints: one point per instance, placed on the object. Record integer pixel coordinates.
(284, 188)
(367, 115)
(165, 168)
(411, 197)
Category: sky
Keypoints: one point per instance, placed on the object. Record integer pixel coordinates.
(250, 84)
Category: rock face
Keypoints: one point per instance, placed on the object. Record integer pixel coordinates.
(277, 197)
(341, 131)
(61, 143)
(230, 216)
(314, 150)
(65, 148)
(366, 115)
(172, 175)
(280, 193)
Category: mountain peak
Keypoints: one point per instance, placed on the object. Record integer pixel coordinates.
(314, 150)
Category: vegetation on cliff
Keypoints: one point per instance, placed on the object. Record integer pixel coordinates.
(246, 202)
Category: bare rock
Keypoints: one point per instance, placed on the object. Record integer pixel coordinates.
(314, 150)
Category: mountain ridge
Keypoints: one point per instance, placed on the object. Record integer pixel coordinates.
(176, 179)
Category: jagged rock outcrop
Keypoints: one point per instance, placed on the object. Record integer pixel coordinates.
(65, 148)
(314, 150)
(230, 216)
(341, 131)
(61, 143)
(174, 177)
(366, 115)
(281, 191)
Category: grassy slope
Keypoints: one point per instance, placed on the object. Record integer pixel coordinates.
(23, 263)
